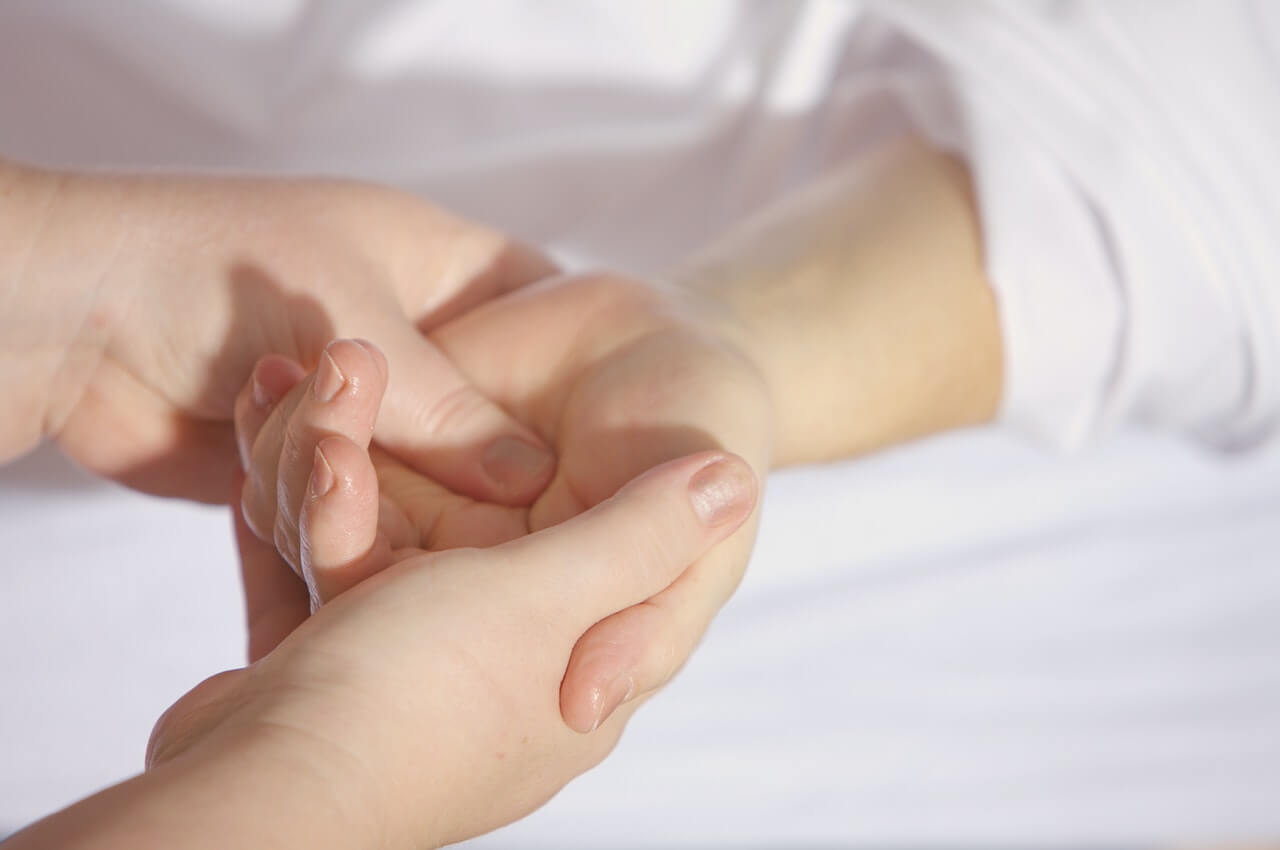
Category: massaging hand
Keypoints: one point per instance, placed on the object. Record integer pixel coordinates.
(618, 376)
(421, 706)
(178, 286)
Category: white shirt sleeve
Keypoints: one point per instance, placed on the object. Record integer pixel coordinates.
(1125, 162)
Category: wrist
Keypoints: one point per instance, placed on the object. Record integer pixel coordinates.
(864, 303)
(284, 787)
(304, 753)
(244, 788)
(55, 295)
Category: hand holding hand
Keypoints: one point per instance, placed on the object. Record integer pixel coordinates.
(424, 700)
(618, 376)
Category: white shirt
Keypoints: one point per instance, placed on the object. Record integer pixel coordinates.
(963, 640)
(1125, 158)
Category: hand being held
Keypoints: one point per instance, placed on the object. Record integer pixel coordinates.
(618, 376)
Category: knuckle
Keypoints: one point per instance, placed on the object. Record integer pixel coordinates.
(453, 411)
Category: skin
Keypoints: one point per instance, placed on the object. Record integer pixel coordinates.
(853, 316)
(308, 747)
(132, 310)
(617, 380)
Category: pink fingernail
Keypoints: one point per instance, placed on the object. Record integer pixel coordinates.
(271, 379)
(722, 492)
(329, 378)
(322, 476)
(621, 689)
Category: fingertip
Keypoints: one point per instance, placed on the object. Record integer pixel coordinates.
(517, 469)
(590, 696)
(340, 468)
(353, 365)
(375, 354)
(272, 378)
(341, 542)
(724, 491)
(630, 653)
(322, 475)
(274, 375)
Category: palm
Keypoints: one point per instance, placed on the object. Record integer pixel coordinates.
(612, 374)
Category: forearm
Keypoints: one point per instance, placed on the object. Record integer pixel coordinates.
(54, 257)
(865, 304)
(236, 793)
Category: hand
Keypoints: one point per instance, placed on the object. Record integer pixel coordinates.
(173, 287)
(618, 376)
(424, 700)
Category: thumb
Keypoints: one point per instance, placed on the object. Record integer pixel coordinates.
(633, 545)
(437, 422)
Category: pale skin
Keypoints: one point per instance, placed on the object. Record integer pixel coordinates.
(851, 317)
(419, 708)
(134, 307)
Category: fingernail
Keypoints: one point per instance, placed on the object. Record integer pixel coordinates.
(722, 492)
(611, 696)
(270, 383)
(513, 463)
(321, 475)
(329, 378)
(375, 354)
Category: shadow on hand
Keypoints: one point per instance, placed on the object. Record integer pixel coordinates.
(197, 455)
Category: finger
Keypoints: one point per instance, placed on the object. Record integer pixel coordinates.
(437, 517)
(634, 544)
(342, 399)
(441, 425)
(299, 419)
(638, 650)
(272, 379)
(275, 599)
(261, 486)
(340, 539)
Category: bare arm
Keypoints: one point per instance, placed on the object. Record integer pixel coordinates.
(239, 791)
(864, 302)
